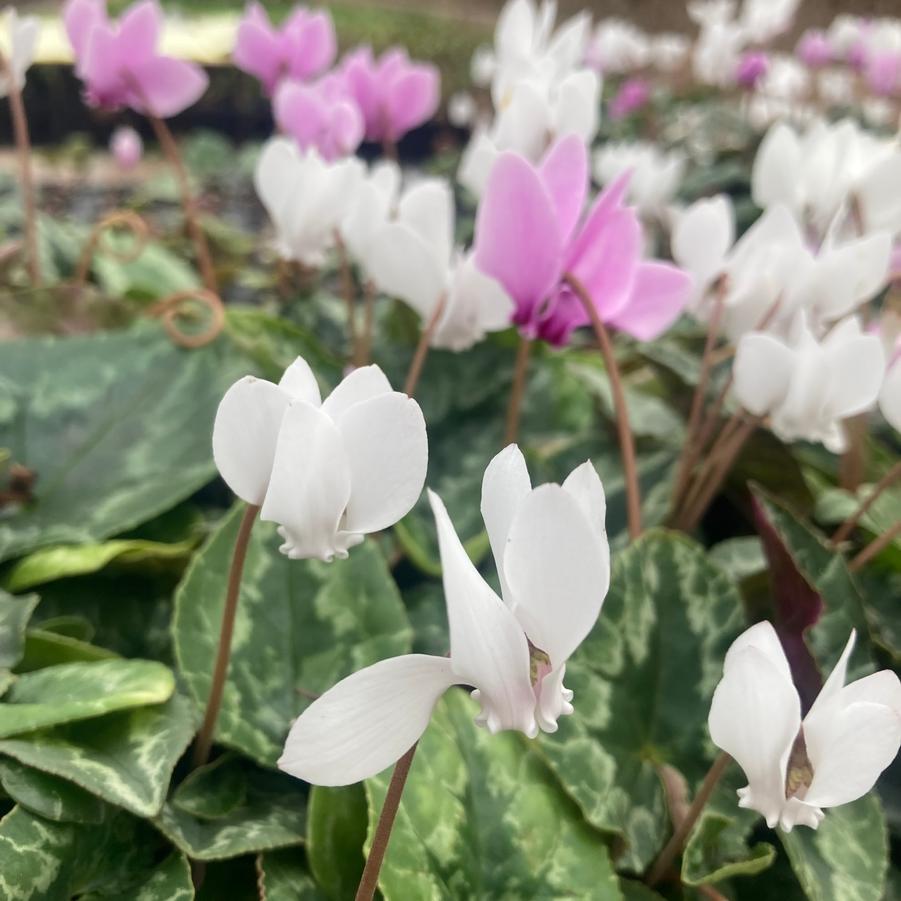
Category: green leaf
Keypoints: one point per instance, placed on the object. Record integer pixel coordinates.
(170, 881)
(155, 273)
(78, 691)
(827, 572)
(301, 626)
(48, 796)
(273, 815)
(125, 758)
(46, 649)
(37, 857)
(846, 858)
(336, 832)
(14, 616)
(116, 427)
(643, 682)
(286, 879)
(739, 557)
(213, 791)
(49, 564)
(482, 817)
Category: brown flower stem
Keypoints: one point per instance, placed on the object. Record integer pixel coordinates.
(853, 464)
(170, 150)
(370, 879)
(365, 343)
(691, 451)
(128, 220)
(422, 348)
(674, 846)
(23, 150)
(875, 548)
(348, 293)
(848, 526)
(204, 742)
(517, 390)
(621, 410)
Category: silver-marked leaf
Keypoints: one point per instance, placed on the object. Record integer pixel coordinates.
(483, 817)
(115, 426)
(125, 758)
(642, 684)
(285, 877)
(300, 627)
(169, 881)
(52, 563)
(336, 832)
(79, 691)
(213, 791)
(48, 649)
(49, 796)
(273, 815)
(38, 857)
(14, 615)
(846, 858)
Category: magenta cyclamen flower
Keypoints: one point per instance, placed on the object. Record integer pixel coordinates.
(632, 95)
(528, 236)
(814, 49)
(394, 94)
(320, 115)
(119, 64)
(304, 46)
(752, 66)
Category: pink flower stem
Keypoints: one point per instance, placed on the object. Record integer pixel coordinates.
(169, 147)
(875, 548)
(23, 149)
(517, 390)
(620, 408)
(370, 878)
(422, 348)
(851, 522)
(348, 293)
(204, 743)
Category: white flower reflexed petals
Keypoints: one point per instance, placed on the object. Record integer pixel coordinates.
(367, 721)
(364, 383)
(299, 382)
(18, 48)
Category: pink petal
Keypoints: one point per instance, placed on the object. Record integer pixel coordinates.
(257, 52)
(139, 30)
(658, 297)
(300, 112)
(315, 46)
(563, 314)
(412, 99)
(565, 173)
(607, 202)
(517, 234)
(165, 86)
(358, 70)
(79, 17)
(101, 70)
(346, 127)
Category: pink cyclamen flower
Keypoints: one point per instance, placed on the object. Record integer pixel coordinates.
(752, 66)
(304, 46)
(883, 73)
(319, 115)
(394, 94)
(814, 49)
(530, 233)
(126, 147)
(119, 64)
(632, 95)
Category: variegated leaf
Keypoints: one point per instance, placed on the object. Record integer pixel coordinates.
(301, 626)
(285, 878)
(483, 817)
(48, 796)
(125, 758)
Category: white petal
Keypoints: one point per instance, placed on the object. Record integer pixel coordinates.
(362, 384)
(402, 265)
(476, 162)
(577, 106)
(857, 369)
(553, 700)
(703, 235)
(890, 397)
(777, 166)
(763, 370)
(755, 717)
(847, 758)
(488, 647)
(300, 383)
(880, 195)
(835, 683)
(585, 485)
(310, 484)
(245, 434)
(387, 455)
(276, 173)
(428, 209)
(557, 569)
(763, 638)
(505, 485)
(367, 721)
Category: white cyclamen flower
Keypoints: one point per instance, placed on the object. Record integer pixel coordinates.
(618, 46)
(808, 387)
(306, 197)
(551, 551)
(328, 472)
(413, 258)
(796, 767)
(656, 173)
(18, 48)
(374, 205)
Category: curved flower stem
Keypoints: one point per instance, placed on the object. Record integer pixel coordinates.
(370, 879)
(23, 149)
(626, 441)
(169, 147)
(517, 390)
(422, 348)
(674, 846)
(875, 548)
(204, 741)
(849, 524)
